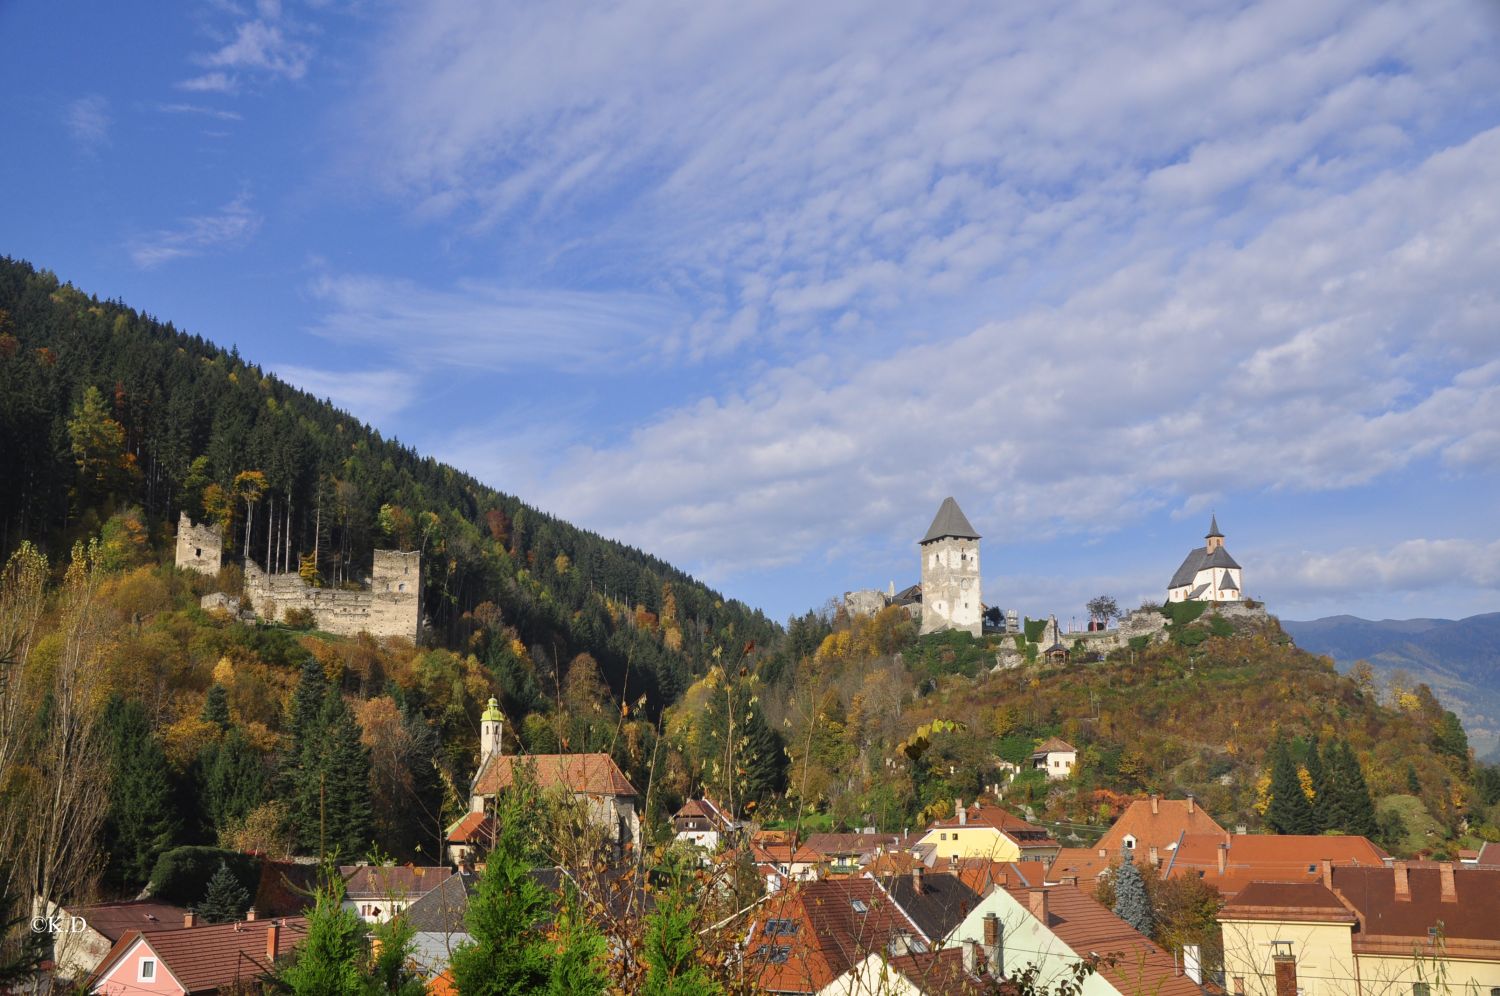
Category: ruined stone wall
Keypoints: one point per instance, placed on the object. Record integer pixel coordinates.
(199, 548)
(388, 607)
(950, 585)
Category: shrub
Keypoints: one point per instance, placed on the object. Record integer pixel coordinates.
(298, 618)
(182, 873)
(1182, 613)
(1139, 643)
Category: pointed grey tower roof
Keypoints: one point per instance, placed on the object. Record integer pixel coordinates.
(1213, 528)
(949, 521)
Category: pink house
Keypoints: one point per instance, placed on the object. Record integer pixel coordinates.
(222, 957)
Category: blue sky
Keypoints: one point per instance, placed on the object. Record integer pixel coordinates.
(755, 286)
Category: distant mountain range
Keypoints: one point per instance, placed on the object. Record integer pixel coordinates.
(1458, 659)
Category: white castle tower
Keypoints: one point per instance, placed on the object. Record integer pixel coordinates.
(950, 573)
(490, 724)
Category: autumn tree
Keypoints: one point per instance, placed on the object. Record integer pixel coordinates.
(1103, 608)
(98, 445)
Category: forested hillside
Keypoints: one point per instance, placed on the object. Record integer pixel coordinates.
(1458, 659)
(103, 409)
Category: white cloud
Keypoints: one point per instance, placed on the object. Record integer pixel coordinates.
(264, 47)
(88, 121)
(1411, 565)
(371, 395)
(216, 82)
(199, 109)
(233, 224)
(478, 325)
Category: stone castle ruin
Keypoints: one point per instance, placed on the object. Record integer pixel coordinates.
(386, 606)
(199, 548)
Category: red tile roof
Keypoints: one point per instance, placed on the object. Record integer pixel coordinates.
(984, 814)
(581, 774)
(285, 888)
(806, 936)
(1083, 863)
(1287, 901)
(203, 959)
(112, 920)
(1052, 745)
(1086, 926)
(1160, 829)
(939, 974)
(821, 847)
(1470, 919)
(396, 881)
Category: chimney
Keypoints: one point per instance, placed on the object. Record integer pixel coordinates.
(1223, 858)
(251, 913)
(971, 957)
(273, 937)
(190, 919)
(1403, 886)
(1152, 856)
(961, 812)
(1039, 905)
(1191, 804)
(992, 953)
(1070, 880)
(1328, 874)
(1286, 974)
(1103, 853)
(1155, 806)
(1450, 888)
(916, 878)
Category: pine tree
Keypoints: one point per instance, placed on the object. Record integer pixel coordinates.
(329, 959)
(225, 900)
(345, 782)
(141, 824)
(216, 707)
(1413, 783)
(1289, 812)
(1132, 904)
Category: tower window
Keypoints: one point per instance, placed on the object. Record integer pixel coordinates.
(198, 551)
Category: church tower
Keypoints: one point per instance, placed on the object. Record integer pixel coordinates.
(950, 573)
(490, 724)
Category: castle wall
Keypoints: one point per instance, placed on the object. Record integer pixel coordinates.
(387, 608)
(950, 585)
(200, 548)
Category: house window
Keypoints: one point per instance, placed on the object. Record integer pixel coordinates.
(1239, 985)
(148, 970)
(1421, 989)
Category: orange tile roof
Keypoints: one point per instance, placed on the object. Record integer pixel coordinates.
(1086, 926)
(820, 847)
(1266, 857)
(586, 774)
(207, 958)
(1083, 863)
(1159, 829)
(473, 827)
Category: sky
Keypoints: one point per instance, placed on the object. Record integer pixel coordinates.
(755, 286)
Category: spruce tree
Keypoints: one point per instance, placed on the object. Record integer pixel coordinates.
(216, 707)
(225, 900)
(301, 772)
(232, 781)
(141, 823)
(1317, 774)
(670, 949)
(1132, 904)
(1289, 812)
(328, 961)
(1413, 783)
(345, 782)
(1360, 805)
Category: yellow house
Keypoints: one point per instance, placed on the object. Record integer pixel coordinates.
(984, 831)
(1406, 930)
